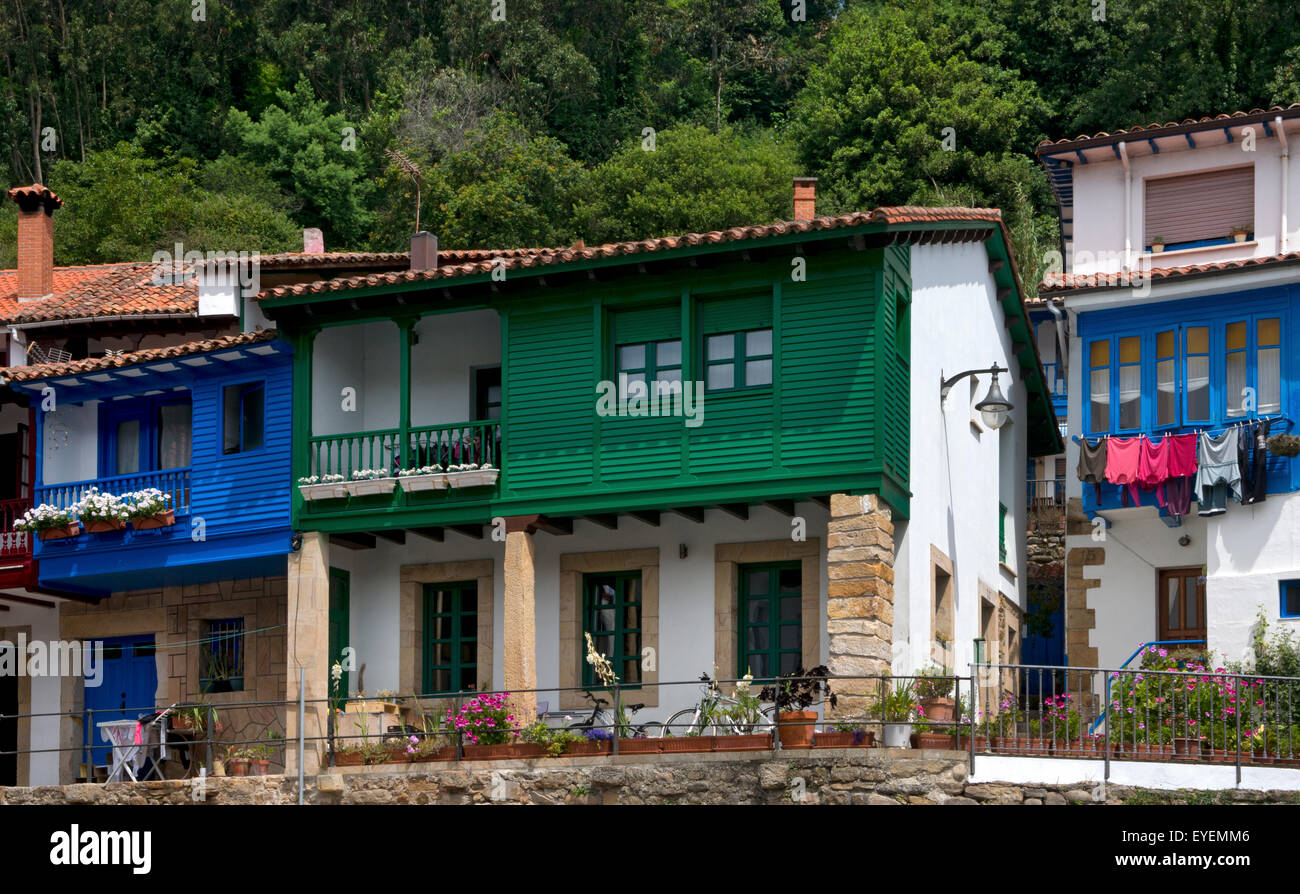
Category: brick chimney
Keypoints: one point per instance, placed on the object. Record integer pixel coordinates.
(805, 198)
(36, 205)
(424, 251)
(313, 241)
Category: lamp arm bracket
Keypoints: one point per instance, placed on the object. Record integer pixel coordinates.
(947, 384)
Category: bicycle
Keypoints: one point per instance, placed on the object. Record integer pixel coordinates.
(706, 718)
(601, 719)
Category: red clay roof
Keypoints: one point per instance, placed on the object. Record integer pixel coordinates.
(36, 191)
(394, 259)
(1076, 282)
(135, 358)
(1188, 124)
(98, 291)
(471, 262)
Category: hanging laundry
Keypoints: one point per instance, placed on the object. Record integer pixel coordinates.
(1218, 472)
(1092, 463)
(1122, 460)
(1245, 437)
(1153, 466)
(1182, 472)
(1255, 476)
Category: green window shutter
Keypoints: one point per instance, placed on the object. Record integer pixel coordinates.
(647, 324)
(611, 613)
(771, 619)
(450, 637)
(735, 314)
(1002, 533)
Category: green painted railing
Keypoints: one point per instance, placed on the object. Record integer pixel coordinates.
(459, 443)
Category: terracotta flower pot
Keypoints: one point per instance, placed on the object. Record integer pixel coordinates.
(938, 709)
(238, 766)
(1187, 748)
(685, 744)
(488, 752)
(163, 519)
(742, 742)
(1026, 745)
(446, 753)
(259, 767)
(982, 743)
(638, 746)
(589, 747)
(61, 533)
(933, 741)
(864, 739)
(104, 526)
(347, 759)
(796, 728)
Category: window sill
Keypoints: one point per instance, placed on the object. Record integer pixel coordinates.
(1198, 250)
(1007, 570)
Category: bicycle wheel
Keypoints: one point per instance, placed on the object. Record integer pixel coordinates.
(680, 724)
(652, 730)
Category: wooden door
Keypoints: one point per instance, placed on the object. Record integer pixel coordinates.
(1181, 604)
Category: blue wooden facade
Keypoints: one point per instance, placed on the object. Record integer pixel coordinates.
(231, 494)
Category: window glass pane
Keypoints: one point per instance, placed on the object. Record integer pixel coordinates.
(790, 608)
(254, 399)
(1099, 353)
(1198, 387)
(668, 353)
(668, 375)
(631, 357)
(756, 611)
(1130, 349)
(721, 347)
(174, 436)
(758, 343)
(758, 665)
(635, 385)
(1190, 603)
(128, 447)
(1198, 340)
(758, 372)
(442, 627)
(1268, 332)
(468, 625)
(230, 419)
(1233, 396)
(721, 375)
(1165, 343)
(756, 638)
(1166, 398)
(791, 580)
(1269, 369)
(790, 662)
(1100, 388)
(756, 582)
(442, 653)
(1130, 396)
(789, 636)
(1236, 337)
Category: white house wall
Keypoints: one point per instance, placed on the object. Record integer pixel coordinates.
(70, 443)
(45, 691)
(449, 346)
(958, 471)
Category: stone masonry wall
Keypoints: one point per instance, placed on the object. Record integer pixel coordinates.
(835, 776)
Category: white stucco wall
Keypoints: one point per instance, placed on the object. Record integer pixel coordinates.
(959, 470)
(686, 593)
(45, 691)
(70, 443)
(449, 346)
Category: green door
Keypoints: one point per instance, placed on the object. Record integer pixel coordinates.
(451, 637)
(771, 619)
(340, 587)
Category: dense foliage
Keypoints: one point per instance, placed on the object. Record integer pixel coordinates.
(233, 123)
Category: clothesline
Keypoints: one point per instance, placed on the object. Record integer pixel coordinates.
(1277, 417)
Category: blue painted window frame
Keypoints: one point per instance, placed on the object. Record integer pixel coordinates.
(245, 389)
(146, 410)
(1282, 587)
(1217, 324)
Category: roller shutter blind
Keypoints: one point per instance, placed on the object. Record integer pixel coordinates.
(660, 323)
(1195, 207)
(735, 314)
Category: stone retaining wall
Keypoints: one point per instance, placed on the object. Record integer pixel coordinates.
(839, 776)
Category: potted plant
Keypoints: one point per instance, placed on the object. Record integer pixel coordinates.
(1239, 233)
(486, 726)
(1061, 723)
(422, 478)
(101, 513)
(1284, 445)
(370, 483)
(472, 475)
(217, 674)
(48, 522)
(195, 717)
(986, 734)
(147, 509)
(260, 755)
(898, 712)
(322, 487)
(593, 741)
(1030, 738)
(929, 737)
(1157, 244)
(794, 694)
(236, 761)
(933, 689)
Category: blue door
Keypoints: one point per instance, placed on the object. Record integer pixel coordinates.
(127, 685)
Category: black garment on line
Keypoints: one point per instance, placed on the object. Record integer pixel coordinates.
(1254, 475)
(1092, 463)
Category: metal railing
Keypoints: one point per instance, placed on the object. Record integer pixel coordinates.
(459, 443)
(1158, 712)
(173, 482)
(13, 543)
(1055, 373)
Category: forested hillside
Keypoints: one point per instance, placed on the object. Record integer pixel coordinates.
(232, 124)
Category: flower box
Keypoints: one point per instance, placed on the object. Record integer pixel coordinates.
(934, 741)
(1079, 748)
(348, 759)
(590, 747)
(1028, 745)
(370, 487)
(864, 739)
(475, 478)
(163, 519)
(312, 492)
(104, 526)
(62, 532)
(371, 706)
(509, 751)
(446, 753)
(638, 746)
(1187, 748)
(683, 744)
(982, 743)
(743, 742)
(413, 484)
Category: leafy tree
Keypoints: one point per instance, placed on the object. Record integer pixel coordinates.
(692, 181)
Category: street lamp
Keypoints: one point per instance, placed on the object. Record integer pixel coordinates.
(995, 406)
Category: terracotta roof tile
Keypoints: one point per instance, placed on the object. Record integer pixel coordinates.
(98, 291)
(468, 263)
(36, 192)
(1076, 282)
(1156, 129)
(135, 358)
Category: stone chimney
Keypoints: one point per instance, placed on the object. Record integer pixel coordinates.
(36, 205)
(313, 241)
(424, 251)
(805, 198)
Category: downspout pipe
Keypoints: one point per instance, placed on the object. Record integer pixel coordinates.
(1062, 354)
(1283, 239)
(1128, 205)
